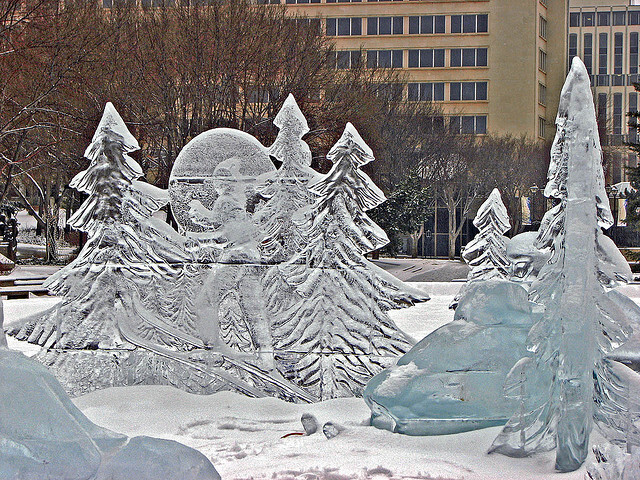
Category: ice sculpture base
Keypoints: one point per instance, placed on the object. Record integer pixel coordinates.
(43, 436)
(452, 380)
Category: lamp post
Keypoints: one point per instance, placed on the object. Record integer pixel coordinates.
(534, 190)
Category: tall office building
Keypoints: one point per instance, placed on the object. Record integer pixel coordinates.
(605, 34)
(495, 66)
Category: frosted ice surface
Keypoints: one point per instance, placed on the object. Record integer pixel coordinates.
(192, 177)
(613, 462)
(452, 380)
(526, 260)
(112, 122)
(291, 119)
(43, 436)
(557, 382)
(486, 254)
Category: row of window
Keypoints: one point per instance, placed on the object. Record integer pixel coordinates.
(425, 24)
(458, 91)
(603, 52)
(423, 58)
(618, 111)
(604, 19)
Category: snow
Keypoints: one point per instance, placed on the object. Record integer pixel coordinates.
(242, 435)
(242, 438)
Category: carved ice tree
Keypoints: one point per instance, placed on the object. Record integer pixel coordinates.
(555, 385)
(286, 189)
(127, 255)
(486, 254)
(339, 328)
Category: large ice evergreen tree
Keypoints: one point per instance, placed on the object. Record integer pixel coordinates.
(557, 383)
(128, 254)
(339, 329)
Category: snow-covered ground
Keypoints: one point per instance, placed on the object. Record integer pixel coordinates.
(243, 436)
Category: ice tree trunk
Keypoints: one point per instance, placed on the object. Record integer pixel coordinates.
(576, 314)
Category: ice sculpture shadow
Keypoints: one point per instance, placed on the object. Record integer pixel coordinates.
(44, 436)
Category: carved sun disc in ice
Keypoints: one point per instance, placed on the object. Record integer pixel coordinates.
(194, 184)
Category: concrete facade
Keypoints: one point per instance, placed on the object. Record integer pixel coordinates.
(514, 91)
(605, 34)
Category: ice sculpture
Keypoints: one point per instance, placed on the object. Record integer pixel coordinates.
(525, 259)
(556, 383)
(337, 334)
(486, 254)
(452, 380)
(614, 463)
(286, 189)
(44, 436)
(192, 186)
(203, 309)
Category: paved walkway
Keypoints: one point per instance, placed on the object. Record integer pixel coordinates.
(424, 269)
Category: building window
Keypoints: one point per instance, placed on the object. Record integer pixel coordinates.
(328, 1)
(574, 19)
(602, 54)
(426, 58)
(426, 92)
(469, 124)
(468, 57)
(587, 52)
(426, 24)
(542, 62)
(469, 23)
(619, 18)
(602, 108)
(467, 91)
(303, 1)
(543, 27)
(542, 127)
(384, 58)
(633, 107)
(385, 26)
(633, 53)
(573, 46)
(617, 53)
(344, 26)
(588, 19)
(347, 58)
(617, 114)
(542, 94)
(604, 19)
(634, 17)
(391, 92)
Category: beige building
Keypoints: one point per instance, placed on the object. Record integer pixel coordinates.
(493, 65)
(605, 34)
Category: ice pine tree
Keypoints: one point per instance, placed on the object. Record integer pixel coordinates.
(486, 254)
(339, 331)
(128, 254)
(556, 385)
(286, 189)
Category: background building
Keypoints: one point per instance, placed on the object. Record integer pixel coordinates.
(495, 66)
(605, 34)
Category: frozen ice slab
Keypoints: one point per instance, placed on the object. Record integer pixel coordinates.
(452, 380)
